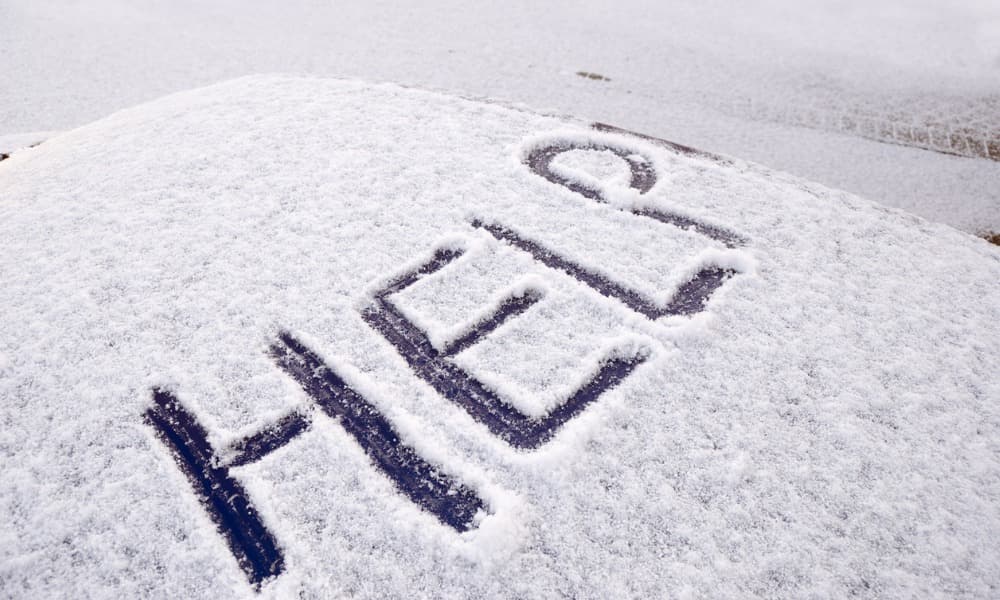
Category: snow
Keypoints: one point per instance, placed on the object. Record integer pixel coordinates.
(12, 143)
(812, 88)
(829, 425)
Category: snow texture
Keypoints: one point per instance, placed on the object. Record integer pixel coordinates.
(12, 143)
(846, 93)
(828, 426)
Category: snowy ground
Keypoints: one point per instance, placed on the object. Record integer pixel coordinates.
(813, 88)
(826, 426)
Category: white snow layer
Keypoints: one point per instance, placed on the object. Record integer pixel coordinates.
(801, 86)
(12, 143)
(829, 426)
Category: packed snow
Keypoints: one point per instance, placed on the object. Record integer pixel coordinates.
(827, 426)
(848, 93)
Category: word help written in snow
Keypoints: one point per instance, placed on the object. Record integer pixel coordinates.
(453, 503)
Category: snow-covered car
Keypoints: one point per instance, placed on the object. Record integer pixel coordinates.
(296, 337)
